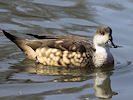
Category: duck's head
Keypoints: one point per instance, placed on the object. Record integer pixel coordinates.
(103, 36)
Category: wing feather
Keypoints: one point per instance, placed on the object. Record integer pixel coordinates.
(63, 44)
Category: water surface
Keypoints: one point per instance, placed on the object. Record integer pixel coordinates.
(22, 79)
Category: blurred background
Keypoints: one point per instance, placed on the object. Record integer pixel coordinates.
(22, 79)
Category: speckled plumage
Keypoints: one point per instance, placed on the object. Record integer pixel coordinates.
(70, 53)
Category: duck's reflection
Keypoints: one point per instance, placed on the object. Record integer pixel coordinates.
(102, 82)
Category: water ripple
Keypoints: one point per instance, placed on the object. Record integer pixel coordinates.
(56, 2)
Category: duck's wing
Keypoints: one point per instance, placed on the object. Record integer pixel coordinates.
(29, 46)
(44, 36)
(85, 49)
(70, 37)
(62, 44)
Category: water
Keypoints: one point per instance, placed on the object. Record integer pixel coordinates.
(22, 79)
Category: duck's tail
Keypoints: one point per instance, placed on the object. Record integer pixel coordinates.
(21, 43)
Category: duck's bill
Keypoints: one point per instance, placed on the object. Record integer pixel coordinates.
(112, 45)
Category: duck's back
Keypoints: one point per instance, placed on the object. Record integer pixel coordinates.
(63, 52)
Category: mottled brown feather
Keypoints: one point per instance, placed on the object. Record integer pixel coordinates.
(82, 46)
(66, 44)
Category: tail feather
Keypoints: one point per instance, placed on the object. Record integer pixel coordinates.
(10, 36)
(21, 43)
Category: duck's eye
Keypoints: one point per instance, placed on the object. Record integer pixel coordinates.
(102, 33)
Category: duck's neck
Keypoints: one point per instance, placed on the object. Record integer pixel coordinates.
(102, 56)
(102, 49)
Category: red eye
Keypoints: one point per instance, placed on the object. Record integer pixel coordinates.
(102, 33)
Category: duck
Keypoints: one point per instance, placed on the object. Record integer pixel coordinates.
(68, 51)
